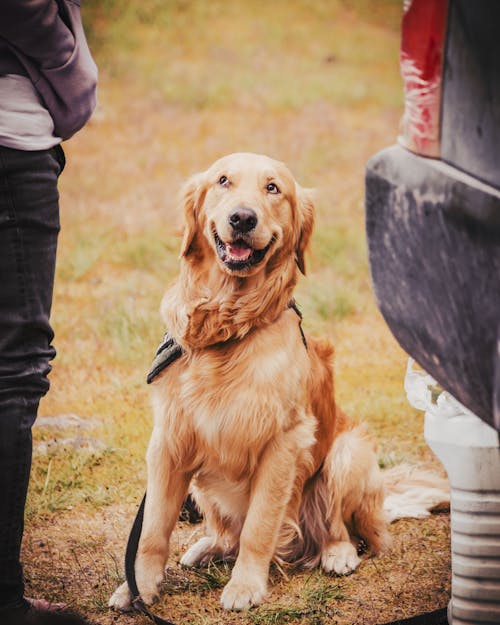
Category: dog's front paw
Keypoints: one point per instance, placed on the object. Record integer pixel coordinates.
(340, 557)
(149, 585)
(149, 573)
(121, 599)
(242, 596)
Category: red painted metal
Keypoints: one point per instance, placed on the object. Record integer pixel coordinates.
(422, 52)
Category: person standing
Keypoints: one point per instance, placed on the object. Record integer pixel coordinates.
(47, 93)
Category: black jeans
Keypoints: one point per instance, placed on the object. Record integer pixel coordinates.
(29, 225)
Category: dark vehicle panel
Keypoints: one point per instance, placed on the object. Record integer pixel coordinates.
(470, 127)
(434, 246)
(433, 203)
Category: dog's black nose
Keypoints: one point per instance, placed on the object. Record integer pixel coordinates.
(243, 219)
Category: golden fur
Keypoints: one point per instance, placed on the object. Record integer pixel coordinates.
(246, 418)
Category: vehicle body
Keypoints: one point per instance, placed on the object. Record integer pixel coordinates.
(433, 230)
(433, 201)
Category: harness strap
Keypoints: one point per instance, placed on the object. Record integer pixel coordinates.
(168, 351)
(293, 305)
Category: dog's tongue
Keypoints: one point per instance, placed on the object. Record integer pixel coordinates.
(238, 251)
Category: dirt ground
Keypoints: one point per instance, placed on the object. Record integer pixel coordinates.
(81, 558)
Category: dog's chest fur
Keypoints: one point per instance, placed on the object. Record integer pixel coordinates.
(229, 399)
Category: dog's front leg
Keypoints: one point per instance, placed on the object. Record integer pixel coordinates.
(270, 493)
(167, 487)
(166, 490)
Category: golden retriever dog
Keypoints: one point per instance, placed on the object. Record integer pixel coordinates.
(246, 419)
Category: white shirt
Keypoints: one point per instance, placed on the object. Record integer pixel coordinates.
(25, 124)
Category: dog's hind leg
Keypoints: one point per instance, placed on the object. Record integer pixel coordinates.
(212, 547)
(202, 552)
(339, 555)
(369, 523)
(354, 484)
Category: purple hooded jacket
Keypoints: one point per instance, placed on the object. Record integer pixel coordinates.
(44, 40)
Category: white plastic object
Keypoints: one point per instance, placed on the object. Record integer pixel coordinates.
(470, 452)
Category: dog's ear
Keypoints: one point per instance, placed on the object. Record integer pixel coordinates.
(305, 207)
(191, 200)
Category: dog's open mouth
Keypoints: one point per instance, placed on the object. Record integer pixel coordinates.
(239, 254)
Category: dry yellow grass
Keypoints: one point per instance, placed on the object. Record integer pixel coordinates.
(315, 84)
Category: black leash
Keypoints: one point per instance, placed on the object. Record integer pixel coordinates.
(130, 554)
(437, 617)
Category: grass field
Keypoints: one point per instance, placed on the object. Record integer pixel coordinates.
(315, 84)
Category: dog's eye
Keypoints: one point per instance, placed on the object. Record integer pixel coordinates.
(224, 181)
(272, 188)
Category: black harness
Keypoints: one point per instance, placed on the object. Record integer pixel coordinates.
(169, 351)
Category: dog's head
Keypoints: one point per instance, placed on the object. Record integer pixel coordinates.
(246, 210)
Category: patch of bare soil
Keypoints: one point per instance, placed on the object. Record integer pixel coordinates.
(77, 557)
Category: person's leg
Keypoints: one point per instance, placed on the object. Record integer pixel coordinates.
(29, 225)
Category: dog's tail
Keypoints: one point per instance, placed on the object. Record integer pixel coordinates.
(413, 492)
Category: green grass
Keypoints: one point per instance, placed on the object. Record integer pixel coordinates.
(316, 602)
(250, 69)
(214, 577)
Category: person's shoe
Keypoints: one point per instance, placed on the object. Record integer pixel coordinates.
(43, 604)
(40, 612)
